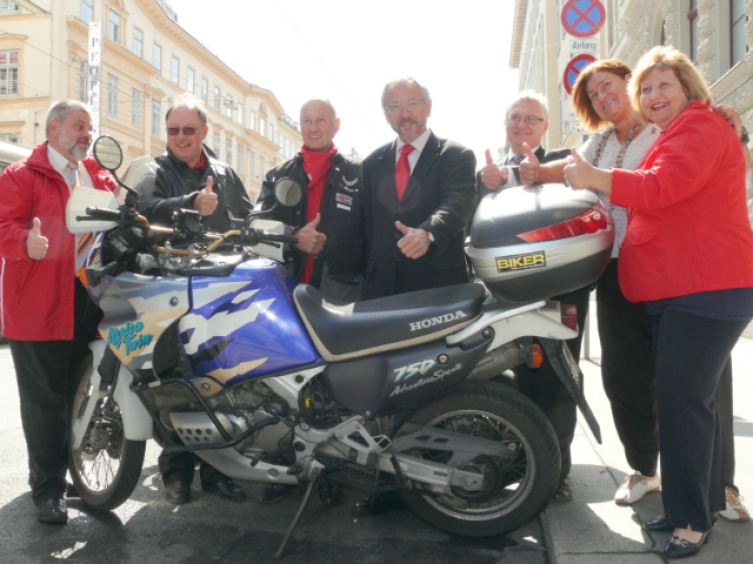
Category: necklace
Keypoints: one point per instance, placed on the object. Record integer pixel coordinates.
(621, 154)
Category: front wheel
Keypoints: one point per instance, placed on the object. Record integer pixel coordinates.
(516, 486)
(107, 466)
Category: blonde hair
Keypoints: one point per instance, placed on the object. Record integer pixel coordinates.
(667, 57)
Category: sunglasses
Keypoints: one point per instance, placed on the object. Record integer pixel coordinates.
(188, 130)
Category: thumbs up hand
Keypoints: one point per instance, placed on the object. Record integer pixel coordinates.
(206, 201)
(491, 174)
(36, 243)
(414, 243)
(310, 240)
(529, 167)
(580, 174)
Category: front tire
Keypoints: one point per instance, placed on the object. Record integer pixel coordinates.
(107, 467)
(515, 490)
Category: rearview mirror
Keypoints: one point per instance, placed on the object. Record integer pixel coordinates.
(108, 153)
(288, 192)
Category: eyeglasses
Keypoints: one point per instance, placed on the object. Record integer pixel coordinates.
(410, 105)
(188, 130)
(529, 120)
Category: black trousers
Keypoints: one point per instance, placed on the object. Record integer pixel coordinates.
(544, 388)
(691, 352)
(179, 466)
(627, 371)
(46, 374)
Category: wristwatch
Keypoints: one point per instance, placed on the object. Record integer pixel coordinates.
(745, 139)
(431, 236)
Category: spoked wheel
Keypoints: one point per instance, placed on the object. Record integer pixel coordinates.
(517, 484)
(106, 468)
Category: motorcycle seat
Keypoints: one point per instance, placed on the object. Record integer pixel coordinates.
(350, 330)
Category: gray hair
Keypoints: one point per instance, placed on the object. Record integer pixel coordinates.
(190, 102)
(408, 82)
(531, 96)
(59, 110)
(326, 102)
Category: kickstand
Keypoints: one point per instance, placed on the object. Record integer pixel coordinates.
(313, 478)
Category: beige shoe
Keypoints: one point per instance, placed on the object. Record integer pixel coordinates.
(735, 510)
(635, 487)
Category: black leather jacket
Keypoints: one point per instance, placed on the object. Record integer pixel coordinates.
(344, 251)
(176, 185)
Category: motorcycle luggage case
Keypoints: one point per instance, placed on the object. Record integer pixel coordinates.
(567, 245)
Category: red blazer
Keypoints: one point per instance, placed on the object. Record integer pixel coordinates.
(688, 229)
(37, 295)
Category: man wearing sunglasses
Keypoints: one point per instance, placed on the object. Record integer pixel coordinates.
(190, 177)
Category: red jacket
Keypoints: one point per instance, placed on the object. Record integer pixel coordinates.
(688, 229)
(36, 296)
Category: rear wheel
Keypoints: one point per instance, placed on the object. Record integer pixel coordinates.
(517, 485)
(107, 466)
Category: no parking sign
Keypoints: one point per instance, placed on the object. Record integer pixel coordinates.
(573, 68)
(582, 18)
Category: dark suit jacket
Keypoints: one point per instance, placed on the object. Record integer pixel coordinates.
(439, 198)
(541, 154)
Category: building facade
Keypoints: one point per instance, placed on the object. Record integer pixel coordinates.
(147, 59)
(716, 34)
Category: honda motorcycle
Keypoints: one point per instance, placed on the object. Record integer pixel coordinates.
(208, 345)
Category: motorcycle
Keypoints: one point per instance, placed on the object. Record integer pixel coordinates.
(208, 345)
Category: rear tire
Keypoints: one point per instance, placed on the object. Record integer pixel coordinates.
(107, 467)
(514, 491)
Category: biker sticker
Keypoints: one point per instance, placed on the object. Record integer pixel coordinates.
(130, 335)
(521, 262)
(344, 201)
(420, 368)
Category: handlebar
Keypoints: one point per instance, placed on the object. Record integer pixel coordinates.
(105, 214)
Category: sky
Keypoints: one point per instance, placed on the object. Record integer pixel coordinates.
(346, 50)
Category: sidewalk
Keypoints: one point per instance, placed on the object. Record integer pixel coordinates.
(593, 529)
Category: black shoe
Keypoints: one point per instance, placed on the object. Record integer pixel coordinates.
(563, 493)
(71, 491)
(677, 547)
(225, 488)
(178, 492)
(52, 510)
(274, 493)
(377, 504)
(658, 524)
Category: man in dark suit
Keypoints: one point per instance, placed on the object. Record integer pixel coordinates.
(527, 121)
(419, 196)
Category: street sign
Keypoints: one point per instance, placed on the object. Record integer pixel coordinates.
(94, 67)
(573, 68)
(583, 18)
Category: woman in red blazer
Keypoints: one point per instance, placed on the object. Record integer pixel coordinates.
(688, 255)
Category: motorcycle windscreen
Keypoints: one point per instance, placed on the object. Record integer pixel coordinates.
(245, 325)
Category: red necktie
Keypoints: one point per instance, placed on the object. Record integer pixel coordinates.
(402, 170)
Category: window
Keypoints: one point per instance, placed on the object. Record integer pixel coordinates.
(262, 126)
(252, 121)
(157, 57)
(271, 132)
(87, 11)
(156, 118)
(112, 95)
(9, 137)
(229, 152)
(83, 81)
(216, 144)
(240, 160)
(138, 42)
(252, 164)
(205, 91)
(738, 46)
(113, 26)
(261, 166)
(136, 108)
(217, 96)
(694, 20)
(174, 70)
(229, 107)
(9, 72)
(7, 7)
(189, 80)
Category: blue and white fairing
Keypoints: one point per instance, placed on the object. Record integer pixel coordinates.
(245, 325)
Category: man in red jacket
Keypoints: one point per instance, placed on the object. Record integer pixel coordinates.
(46, 313)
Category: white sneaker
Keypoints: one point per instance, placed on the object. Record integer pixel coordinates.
(635, 487)
(735, 510)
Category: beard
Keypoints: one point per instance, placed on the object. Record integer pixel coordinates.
(73, 147)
